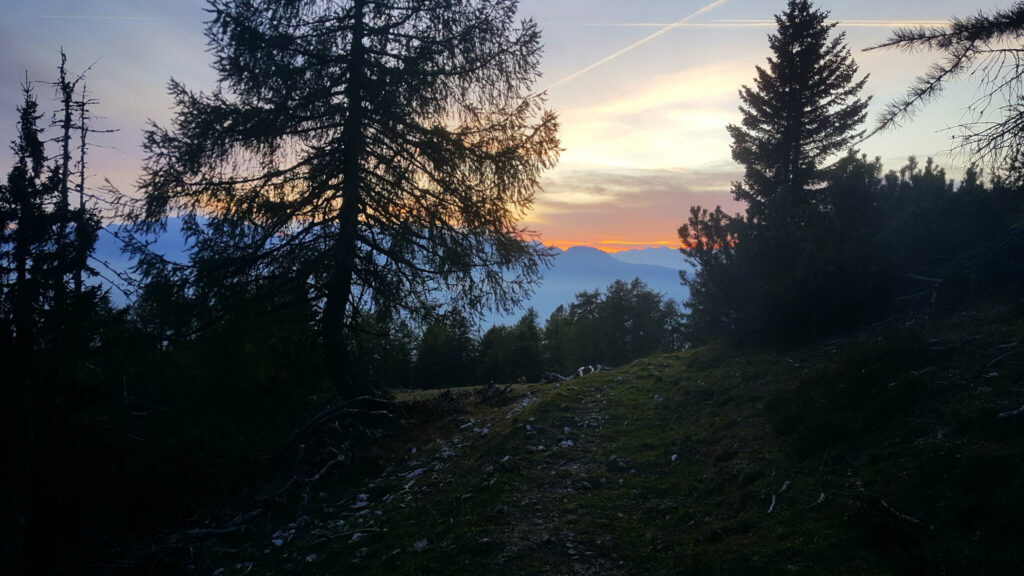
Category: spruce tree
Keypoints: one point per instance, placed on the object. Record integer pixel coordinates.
(766, 270)
(381, 151)
(803, 109)
(23, 229)
(25, 226)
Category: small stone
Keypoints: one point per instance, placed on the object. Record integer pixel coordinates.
(419, 545)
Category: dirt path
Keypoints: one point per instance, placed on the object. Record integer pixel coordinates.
(561, 462)
(501, 486)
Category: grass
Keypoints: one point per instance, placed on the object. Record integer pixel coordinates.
(883, 453)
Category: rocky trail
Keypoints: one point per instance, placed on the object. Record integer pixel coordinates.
(545, 530)
(497, 477)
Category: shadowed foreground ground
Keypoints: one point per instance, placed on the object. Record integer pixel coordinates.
(895, 451)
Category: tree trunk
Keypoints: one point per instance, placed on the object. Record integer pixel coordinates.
(63, 209)
(83, 133)
(339, 290)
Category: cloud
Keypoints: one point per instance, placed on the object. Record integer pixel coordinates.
(626, 207)
(596, 190)
(669, 121)
(703, 84)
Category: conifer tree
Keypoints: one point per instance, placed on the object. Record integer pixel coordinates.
(45, 244)
(803, 109)
(765, 268)
(383, 151)
(23, 229)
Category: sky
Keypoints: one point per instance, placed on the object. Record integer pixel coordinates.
(644, 90)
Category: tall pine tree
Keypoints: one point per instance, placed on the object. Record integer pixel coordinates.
(23, 220)
(762, 271)
(803, 109)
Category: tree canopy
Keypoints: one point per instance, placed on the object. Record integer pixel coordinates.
(803, 108)
(382, 152)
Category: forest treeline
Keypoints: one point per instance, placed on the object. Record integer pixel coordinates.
(350, 204)
(624, 322)
(829, 240)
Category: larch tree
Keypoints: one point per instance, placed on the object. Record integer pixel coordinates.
(986, 45)
(383, 152)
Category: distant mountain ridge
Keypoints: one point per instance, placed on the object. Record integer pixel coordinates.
(583, 268)
(574, 270)
(658, 256)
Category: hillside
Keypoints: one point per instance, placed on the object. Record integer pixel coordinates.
(898, 450)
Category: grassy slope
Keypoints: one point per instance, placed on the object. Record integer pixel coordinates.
(884, 452)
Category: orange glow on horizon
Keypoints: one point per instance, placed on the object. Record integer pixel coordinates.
(612, 246)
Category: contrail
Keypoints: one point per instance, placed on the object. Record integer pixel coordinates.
(640, 42)
(87, 17)
(758, 24)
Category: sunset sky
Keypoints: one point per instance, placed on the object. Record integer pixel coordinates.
(644, 89)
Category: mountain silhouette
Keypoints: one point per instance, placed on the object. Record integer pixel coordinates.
(582, 268)
(577, 269)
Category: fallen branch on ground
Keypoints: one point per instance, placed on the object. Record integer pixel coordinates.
(345, 409)
(898, 514)
(998, 358)
(199, 533)
(1016, 412)
(330, 464)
